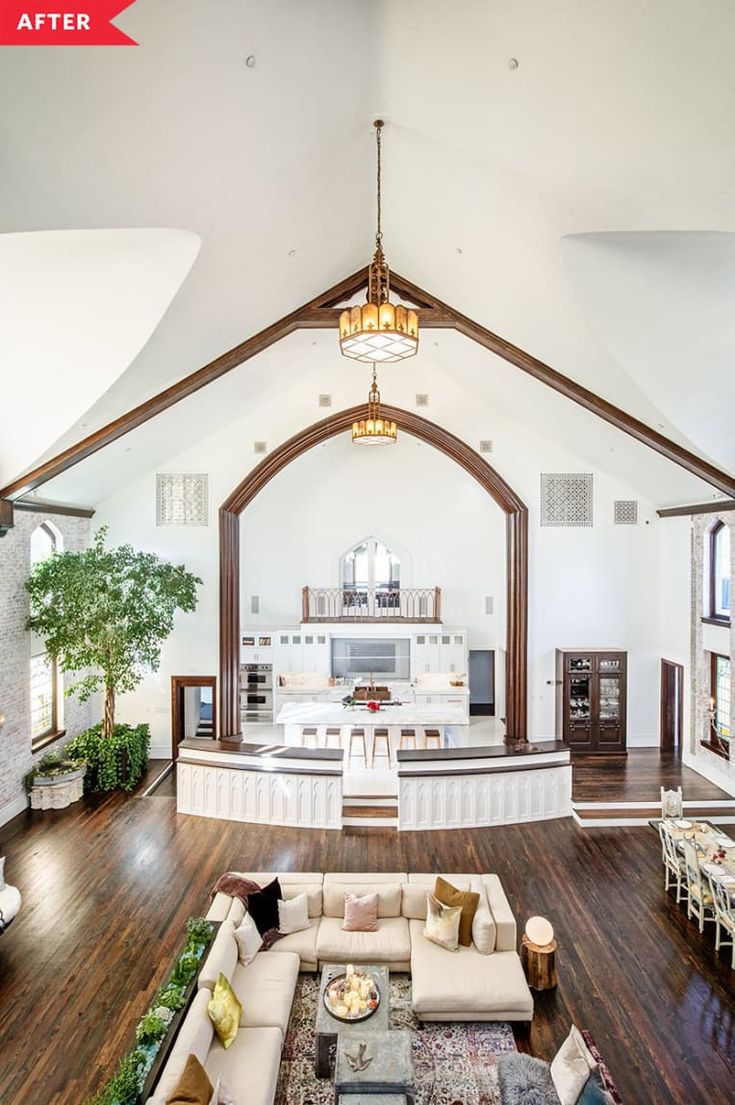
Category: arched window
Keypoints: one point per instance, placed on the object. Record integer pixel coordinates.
(46, 719)
(371, 576)
(719, 572)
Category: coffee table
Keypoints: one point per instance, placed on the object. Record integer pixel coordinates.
(386, 1067)
(328, 1029)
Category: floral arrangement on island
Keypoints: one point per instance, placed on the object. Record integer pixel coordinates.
(353, 995)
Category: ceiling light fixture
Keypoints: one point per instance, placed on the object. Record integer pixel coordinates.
(374, 430)
(379, 330)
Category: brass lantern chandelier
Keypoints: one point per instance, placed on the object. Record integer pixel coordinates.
(374, 430)
(379, 330)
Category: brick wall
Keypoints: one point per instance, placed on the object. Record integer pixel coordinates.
(16, 757)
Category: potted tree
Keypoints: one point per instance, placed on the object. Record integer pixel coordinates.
(105, 613)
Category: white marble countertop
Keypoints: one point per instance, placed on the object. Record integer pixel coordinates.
(410, 713)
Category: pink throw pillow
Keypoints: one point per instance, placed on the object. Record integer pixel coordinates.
(361, 914)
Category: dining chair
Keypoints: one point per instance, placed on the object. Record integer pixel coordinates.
(672, 803)
(673, 861)
(699, 903)
(724, 914)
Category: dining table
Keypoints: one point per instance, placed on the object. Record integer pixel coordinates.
(716, 850)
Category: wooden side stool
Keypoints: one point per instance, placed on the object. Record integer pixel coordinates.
(380, 735)
(539, 963)
(434, 736)
(406, 736)
(356, 734)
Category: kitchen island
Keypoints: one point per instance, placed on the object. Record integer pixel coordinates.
(297, 716)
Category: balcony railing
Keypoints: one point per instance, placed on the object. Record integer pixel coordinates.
(371, 604)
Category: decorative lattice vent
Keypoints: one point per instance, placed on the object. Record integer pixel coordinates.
(422, 399)
(325, 400)
(626, 512)
(260, 447)
(486, 446)
(566, 498)
(182, 499)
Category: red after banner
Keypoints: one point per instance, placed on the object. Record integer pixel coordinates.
(62, 23)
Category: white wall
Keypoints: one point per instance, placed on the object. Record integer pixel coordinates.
(447, 531)
(588, 587)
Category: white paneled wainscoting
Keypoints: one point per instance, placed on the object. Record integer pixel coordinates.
(456, 800)
(450, 788)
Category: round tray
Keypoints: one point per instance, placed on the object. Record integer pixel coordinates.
(375, 994)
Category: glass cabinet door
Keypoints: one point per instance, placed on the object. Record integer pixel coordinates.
(579, 698)
(610, 698)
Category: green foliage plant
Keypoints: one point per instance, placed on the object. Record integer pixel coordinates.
(114, 762)
(105, 613)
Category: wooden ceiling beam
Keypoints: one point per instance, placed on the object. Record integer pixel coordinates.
(717, 506)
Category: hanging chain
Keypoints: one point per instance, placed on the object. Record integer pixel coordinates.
(378, 137)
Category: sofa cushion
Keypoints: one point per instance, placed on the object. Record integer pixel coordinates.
(193, 1086)
(442, 923)
(468, 902)
(389, 897)
(248, 940)
(220, 907)
(266, 989)
(366, 876)
(313, 893)
(506, 937)
(222, 957)
(390, 944)
(251, 1065)
(524, 1080)
(194, 1038)
(413, 900)
(236, 912)
(466, 982)
(293, 914)
(301, 943)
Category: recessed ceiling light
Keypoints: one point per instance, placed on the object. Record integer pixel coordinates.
(512, 63)
(82, 425)
(459, 249)
(292, 253)
(250, 61)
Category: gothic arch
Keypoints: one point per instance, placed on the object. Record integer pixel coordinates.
(477, 467)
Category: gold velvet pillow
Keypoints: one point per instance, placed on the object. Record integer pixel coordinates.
(193, 1087)
(225, 1011)
(449, 895)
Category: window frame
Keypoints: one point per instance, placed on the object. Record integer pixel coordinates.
(55, 731)
(711, 616)
(713, 740)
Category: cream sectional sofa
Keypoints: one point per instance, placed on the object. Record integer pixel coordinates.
(483, 982)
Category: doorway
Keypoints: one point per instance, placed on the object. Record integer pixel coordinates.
(482, 681)
(193, 709)
(672, 706)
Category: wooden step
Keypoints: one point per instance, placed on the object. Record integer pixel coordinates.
(374, 812)
(641, 813)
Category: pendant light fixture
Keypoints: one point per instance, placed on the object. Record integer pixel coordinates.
(379, 330)
(374, 430)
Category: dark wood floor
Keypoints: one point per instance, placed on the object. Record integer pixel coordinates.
(108, 885)
(638, 777)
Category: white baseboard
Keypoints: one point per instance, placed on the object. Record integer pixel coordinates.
(12, 809)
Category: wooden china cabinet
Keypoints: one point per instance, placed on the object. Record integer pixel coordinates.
(591, 698)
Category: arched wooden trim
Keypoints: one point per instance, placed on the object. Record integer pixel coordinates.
(451, 446)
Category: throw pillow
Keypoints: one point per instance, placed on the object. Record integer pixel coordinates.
(524, 1080)
(222, 1093)
(571, 1067)
(594, 1092)
(263, 906)
(249, 941)
(225, 1011)
(447, 894)
(361, 913)
(442, 923)
(193, 1087)
(293, 915)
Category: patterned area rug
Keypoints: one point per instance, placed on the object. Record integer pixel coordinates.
(454, 1063)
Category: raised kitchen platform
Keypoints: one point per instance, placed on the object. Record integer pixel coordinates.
(391, 716)
(451, 788)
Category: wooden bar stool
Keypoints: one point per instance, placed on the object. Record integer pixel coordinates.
(434, 736)
(408, 735)
(380, 735)
(308, 733)
(356, 734)
(333, 731)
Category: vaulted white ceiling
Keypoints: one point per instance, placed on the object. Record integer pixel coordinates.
(616, 119)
